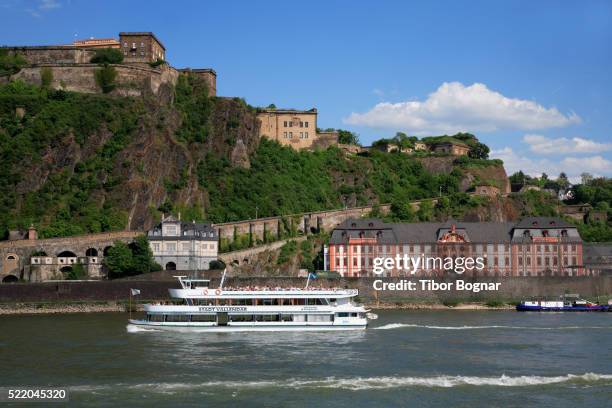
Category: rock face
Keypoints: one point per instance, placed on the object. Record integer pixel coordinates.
(493, 174)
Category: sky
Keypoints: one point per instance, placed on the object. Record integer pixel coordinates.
(532, 79)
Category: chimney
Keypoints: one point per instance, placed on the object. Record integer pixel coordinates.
(32, 234)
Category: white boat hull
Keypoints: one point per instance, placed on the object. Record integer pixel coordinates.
(137, 326)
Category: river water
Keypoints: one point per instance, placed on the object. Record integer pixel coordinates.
(405, 358)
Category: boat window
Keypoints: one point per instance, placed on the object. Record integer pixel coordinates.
(353, 314)
(343, 314)
(267, 318)
(203, 318)
(287, 318)
(319, 318)
(286, 302)
(241, 318)
(243, 302)
(299, 302)
(155, 318)
(299, 318)
(177, 318)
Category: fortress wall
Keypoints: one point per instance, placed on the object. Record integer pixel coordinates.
(58, 54)
(132, 80)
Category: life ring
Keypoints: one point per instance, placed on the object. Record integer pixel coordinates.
(218, 292)
(205, 292)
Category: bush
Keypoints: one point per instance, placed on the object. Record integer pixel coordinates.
(157, 63)
(105, 78)
(133, 259)
(217, 264)
(107, 56)
(46, 77)
(10, 63)
(76, 272)
(495, 303)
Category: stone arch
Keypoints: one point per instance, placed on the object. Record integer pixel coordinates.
(106, 249)
(245, 260)
(91, 252)
(10, 279)
(66, 269)
(66, 254)
(11, 262)
(171, 266)
(235, 262)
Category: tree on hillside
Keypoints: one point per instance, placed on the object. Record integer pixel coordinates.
(563, 181)
(479, 151)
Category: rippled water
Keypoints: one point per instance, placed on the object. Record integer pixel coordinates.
(406, 358)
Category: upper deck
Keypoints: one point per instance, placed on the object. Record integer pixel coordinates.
(199, 289)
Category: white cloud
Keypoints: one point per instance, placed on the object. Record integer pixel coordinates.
(572, 166)
(454, 107)
(49, 4)
(544, 145)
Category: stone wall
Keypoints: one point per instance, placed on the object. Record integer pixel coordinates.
(511, 289)
(132, 80)
(57, 54)
(15, 255)
(303, 223)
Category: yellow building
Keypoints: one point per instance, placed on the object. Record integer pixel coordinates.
(289, 127)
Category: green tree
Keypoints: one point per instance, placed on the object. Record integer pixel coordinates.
(107, 56)
(119, 260)
(10, 63)
(105, 78)
(479, 151)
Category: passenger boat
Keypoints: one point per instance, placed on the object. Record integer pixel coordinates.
(254, 309)
(566, 303)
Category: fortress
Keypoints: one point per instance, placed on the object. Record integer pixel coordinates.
(142, 71)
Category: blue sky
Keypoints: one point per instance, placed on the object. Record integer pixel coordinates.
(532, 79)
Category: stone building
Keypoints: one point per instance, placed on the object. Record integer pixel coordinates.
(295, 128)
(141, 47)
(454, 148)
(420, 146)
(94, 43)
(182, 246)
(535, 246)
(207, 74)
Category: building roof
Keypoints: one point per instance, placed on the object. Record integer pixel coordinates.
(421, 232)
(149, 33)
(543, 222)
(597, 255)
(198, 70)
(288, 111)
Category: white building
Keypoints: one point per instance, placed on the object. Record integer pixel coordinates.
(183, 246)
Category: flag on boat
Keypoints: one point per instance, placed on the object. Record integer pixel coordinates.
(135, 292)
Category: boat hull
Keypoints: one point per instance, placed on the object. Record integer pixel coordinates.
(523, 308)
(139, 325)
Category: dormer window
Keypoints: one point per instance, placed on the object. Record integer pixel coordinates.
(353, 225)
(545, 233)
(552, 223)
(526, 234)
(361, 234)
(535, 223)
(371, 224)
(564, 233)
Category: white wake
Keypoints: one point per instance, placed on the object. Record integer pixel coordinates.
(402, 325)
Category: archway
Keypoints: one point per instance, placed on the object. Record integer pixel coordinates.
(66, 269)
(171, 266)
(91, 252)
(66, 254)
(106, 249)
(11, 262)
(10, 279)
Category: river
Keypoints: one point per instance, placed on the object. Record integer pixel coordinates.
(405, 358)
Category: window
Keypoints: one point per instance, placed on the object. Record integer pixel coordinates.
(528, 261)
(125, 45)
(285, 124)
(305, 124)
(290, 135)
(156, 247)
(520, 261)
(171, 246)
(134, 45)
(539, 261)
(301, 124)
(301, 135)
(306, 135)
(285, 135)
(142, 44)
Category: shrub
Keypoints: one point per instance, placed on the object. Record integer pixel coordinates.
(157, 63)
(107, 56)
(105, 78)
(46, 77)
(217, 264)
(10, 63)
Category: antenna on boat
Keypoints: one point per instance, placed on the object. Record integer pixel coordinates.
(222, 278)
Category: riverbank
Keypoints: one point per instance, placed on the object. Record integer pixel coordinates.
(100, 307)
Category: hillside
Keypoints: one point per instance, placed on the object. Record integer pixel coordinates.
(76, 163)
